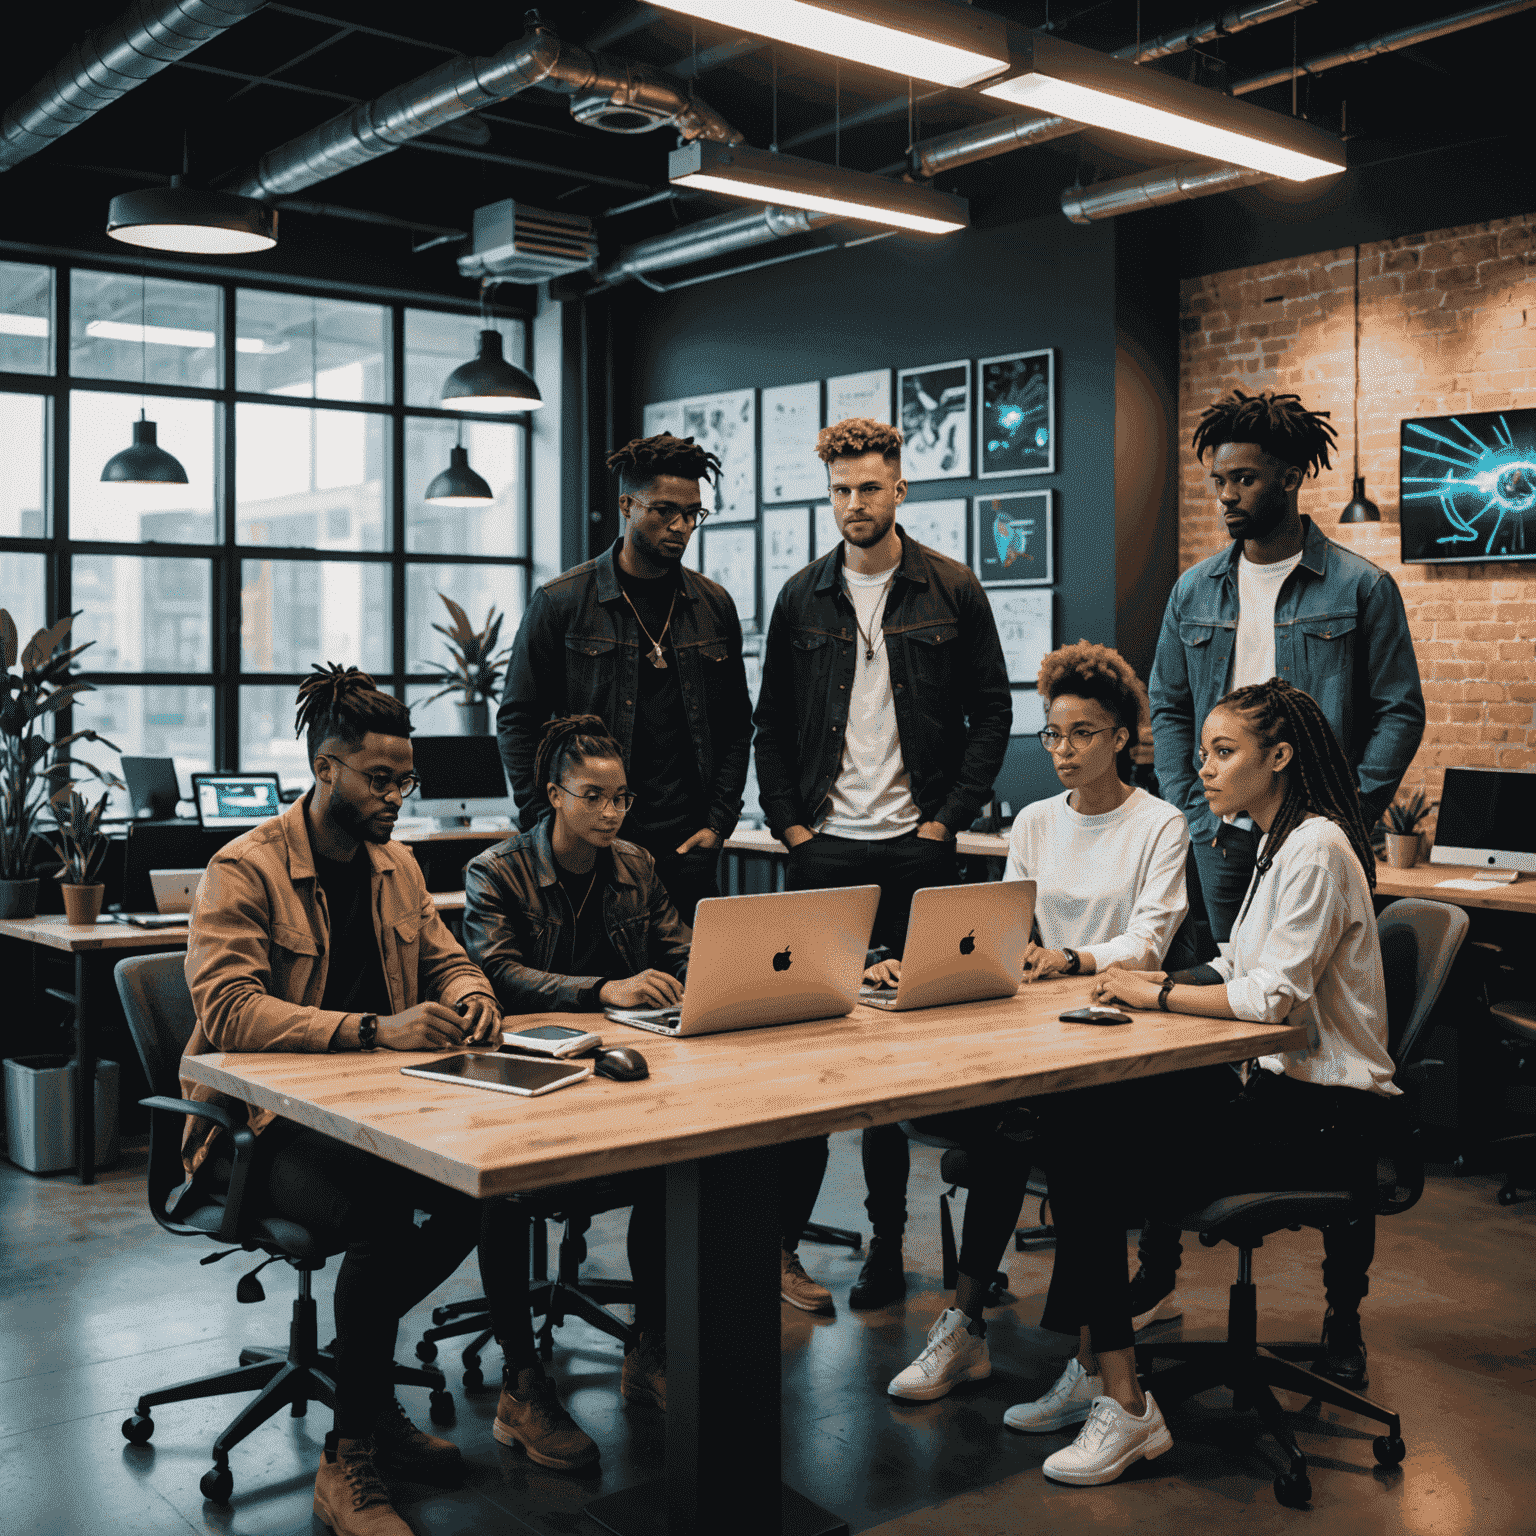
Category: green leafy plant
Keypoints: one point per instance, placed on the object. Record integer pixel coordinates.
(1403, 816)
(477, 668)
(81, 844)
(34, 768)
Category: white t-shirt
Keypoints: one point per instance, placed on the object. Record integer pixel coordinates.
(871, 798)
(1110, 885)
(1253, 656)
(1307, 950)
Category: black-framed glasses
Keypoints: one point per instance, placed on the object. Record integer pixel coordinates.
(622, 800)
(669, 511)
(1080, 737)
(380, 783)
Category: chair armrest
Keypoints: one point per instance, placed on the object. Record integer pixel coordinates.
(242, 1140)
(221, 1117)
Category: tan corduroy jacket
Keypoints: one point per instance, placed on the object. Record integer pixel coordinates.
(258, 953)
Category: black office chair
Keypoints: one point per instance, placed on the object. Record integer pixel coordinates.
(1517, 1153)
(160, 1017)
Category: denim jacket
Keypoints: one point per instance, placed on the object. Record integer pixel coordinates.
(577, 652)
(948, 677)
(1341, 634)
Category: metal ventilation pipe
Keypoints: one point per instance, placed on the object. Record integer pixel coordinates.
(735, 231)
(1181, 38)
(460, 86)
(996, 136)
(1154, 189)
(108, 63)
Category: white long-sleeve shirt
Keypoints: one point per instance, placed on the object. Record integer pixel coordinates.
(1110, 886)
(1306, 950)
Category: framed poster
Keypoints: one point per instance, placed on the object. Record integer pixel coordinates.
(786, 548)
(1028, 712)
(1016, 425)
(726, 424)
(934, 406)
(1013, 539)
(791, 420)
(1024, 627)
(938, 524)
(860, 394)
(828, 534)
(663, 416)
(730, 557)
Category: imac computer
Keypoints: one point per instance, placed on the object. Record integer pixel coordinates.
(1488, 819)
(461, 778)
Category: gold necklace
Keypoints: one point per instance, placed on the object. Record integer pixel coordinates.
(653, 655)
(869, 644)
(585, 899)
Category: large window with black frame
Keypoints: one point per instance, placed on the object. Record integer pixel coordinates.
(307, 430)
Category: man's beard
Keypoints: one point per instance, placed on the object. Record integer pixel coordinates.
(346, 818)
(1262, 521)
(870, 533)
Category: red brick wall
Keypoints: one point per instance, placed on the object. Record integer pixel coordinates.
(1447, 323)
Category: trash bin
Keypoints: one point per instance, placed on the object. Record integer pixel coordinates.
(40, 1112)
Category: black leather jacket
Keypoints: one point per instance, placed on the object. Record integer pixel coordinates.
(953, 707)
(577, 652)
(513, 916)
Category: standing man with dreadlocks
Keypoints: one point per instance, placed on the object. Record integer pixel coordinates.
(1286, 602)
(654, 650)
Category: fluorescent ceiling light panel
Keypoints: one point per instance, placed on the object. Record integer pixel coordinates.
(762, 176)
(1084, 86)
(926, 39)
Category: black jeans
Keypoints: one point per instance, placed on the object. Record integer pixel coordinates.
(688, 877)
(390, 1263)
(1224, 874)
(899, 866)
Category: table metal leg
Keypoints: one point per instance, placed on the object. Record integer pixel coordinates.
(85, 1078)
(723, 1320)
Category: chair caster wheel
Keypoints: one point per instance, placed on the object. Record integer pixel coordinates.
(1389, 1450)
(426, 1352)
(217, 1485)
(1293, 1489)
(138, 1429)
(442, 1408)
(440, 1315)
(474, 1378)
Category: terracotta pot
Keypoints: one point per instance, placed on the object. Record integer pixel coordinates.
(1402, 849)
(18, 898)
(82, 903)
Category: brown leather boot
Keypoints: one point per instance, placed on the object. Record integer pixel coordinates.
(350, 1496)
(645, 1371)
(529, 1414)
(412, 1453)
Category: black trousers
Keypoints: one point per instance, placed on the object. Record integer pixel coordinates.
(899, 866)
(688, 877)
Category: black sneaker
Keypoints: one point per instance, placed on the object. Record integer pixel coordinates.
(1343, 1360)
(882, 1280)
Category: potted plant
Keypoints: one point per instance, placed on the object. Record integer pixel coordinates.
(1402, 819)
(476, 670)
(32, 766)
(82, 847)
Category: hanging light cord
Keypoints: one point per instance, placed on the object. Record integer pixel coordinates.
(1356, 412)
(837, 114)
(143, 342)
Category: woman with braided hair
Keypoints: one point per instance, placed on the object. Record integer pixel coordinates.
(1304, 950)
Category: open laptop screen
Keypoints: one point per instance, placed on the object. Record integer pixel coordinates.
(235, 799)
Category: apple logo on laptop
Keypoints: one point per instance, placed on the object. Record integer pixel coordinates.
(968, 943)
(781, 960)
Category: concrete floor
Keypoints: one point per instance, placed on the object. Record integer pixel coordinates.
(97, 1305)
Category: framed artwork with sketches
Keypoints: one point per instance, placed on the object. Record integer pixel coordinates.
(1016, 422)
(1012, 539)
(933, 407)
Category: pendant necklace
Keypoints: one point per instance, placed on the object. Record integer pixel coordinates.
(874, 628)
(585, 899)
(653, 655)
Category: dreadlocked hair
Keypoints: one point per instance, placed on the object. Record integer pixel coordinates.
(642, 459)
(574, 739)
(1319, 780)
(1279, 424)
(1100, 673)
(344, 704)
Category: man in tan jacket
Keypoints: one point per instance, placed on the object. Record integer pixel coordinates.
(312, 932)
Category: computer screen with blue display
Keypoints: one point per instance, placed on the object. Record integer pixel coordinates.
(235, 799)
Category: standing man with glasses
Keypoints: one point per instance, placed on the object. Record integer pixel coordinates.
(654, 650)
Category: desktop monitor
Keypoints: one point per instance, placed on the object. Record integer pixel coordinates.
(1487, 817)
(460, 777)
(235, 799)
(152, 786)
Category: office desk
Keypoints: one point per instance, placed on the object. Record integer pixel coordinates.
(710, 1111)
(1424, 880)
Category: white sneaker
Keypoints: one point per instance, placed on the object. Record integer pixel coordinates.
(951, 1355)
(1164, 1311)
(1066, 1403)
(1108, 1443)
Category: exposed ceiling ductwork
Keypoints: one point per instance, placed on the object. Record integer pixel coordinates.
(1155, 189)
(605, 93)
(1183, 38)
(108, 63)
(738, 230)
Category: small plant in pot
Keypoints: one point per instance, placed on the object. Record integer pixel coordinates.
(476, 671)
(1403, 818)
(32, 767)
(82, 847)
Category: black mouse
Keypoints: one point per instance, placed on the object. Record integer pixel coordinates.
(623, 1064)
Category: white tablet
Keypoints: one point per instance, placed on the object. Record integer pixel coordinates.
(503, 1074)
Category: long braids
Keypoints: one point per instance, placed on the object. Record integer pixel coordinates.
(572, 739)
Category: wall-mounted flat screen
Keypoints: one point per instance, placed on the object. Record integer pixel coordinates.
(1467, 487)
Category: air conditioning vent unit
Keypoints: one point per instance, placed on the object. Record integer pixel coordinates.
(528, 245)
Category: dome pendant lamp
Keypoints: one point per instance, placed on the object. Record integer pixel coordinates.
(490, 383)
(458, 485)
(196, 221)
(1360, 508)
(144, 462)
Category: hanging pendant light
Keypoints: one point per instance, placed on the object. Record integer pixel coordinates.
(458, 485)
(490, 383)
(197, 221)
(1360, 508)
(144, 462)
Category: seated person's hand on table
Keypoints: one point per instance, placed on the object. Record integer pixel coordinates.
(1133, 989)
(426, 1027)
(650, 989)
(886, 974)
(1041, 964)
(482, 1018)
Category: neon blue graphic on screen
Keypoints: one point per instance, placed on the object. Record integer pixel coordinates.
(1487, 483)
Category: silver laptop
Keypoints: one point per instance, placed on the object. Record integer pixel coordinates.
(782, 958)
(965, 943)
(175, 889)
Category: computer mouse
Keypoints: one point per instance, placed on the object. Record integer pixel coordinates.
(623, 1064)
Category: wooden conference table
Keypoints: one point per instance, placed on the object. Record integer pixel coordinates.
(1427, 881)
(710, 1111)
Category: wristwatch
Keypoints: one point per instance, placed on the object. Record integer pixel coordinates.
(368, 1032)
(1074, 960)
(1162, 996)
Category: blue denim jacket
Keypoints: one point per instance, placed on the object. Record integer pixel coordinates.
(1341, 634)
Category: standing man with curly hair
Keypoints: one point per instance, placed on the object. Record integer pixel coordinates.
(653, 649)
(882, 722)
(1285, 601)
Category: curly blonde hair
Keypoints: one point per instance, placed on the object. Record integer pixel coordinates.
(856, 435)
(1098, 672)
